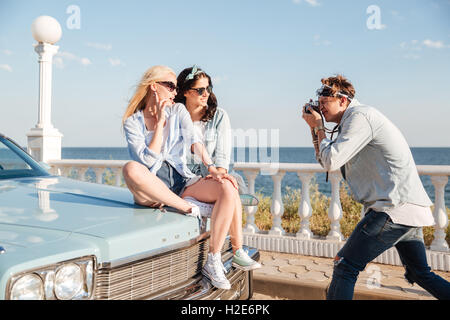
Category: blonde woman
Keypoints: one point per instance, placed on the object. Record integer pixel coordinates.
(159, 133)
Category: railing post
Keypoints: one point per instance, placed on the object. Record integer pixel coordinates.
(251, 227)
(82, 173)
(117, 176)
(335, 210)
(440, 214)
(277, 208)
(99, 174)
(305, 209)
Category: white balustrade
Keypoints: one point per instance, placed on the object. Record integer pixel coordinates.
(304, 208)
(335, 209)
(440, 214)
(250, 226)
(303, 242)
(277, 208)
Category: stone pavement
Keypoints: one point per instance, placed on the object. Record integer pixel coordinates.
(291, 276)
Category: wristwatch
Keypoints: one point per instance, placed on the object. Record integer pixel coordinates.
(317, 129)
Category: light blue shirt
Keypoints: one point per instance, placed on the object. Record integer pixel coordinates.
(178, 137)
(376, 160)
(217, 140)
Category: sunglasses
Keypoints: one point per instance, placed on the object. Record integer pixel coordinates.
(201, 91)
(169, 85)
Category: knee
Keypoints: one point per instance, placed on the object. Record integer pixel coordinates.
(132, 171)
(228, 190)
(344, 268)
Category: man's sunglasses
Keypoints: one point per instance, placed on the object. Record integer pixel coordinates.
(169, 85)
(201, 91)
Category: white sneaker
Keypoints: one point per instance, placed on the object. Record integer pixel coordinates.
(242, 261)
(214, 270)
(204, 208)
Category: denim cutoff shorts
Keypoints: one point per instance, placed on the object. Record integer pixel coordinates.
(171, 178)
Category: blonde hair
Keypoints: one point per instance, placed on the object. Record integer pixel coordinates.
(152, 75)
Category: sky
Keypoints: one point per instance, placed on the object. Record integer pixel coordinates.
(266, 59)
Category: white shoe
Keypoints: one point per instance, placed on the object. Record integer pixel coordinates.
(214, 271)
(205, 209)
(242, 261)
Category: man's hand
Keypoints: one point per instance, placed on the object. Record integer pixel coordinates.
(313, 119)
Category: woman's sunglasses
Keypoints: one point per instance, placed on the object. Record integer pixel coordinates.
(169, 85)
(201, 91)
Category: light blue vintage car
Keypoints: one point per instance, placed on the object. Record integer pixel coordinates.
(64, 239)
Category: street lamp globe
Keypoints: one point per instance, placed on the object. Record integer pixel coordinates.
(46, 29)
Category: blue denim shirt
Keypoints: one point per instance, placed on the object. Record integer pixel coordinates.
(378, 164)
(217, 140)
(178, 138)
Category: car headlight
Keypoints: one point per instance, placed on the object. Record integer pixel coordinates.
(68, 281)
(64, 281)
(28, 287)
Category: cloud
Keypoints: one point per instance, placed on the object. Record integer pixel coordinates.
(7, 52)
(58, 62)
(85, 61)
(6, 67)
(115, 62)
(312, 3)
(319, 42)
(413, 47)
(99, 46)
(60, 57)
(434, 44)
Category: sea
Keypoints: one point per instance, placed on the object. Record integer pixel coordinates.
(264, 183)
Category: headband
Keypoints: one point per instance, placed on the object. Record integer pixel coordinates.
(195, 71)
(326, 91)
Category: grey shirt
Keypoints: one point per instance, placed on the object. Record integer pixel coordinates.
(377, 162)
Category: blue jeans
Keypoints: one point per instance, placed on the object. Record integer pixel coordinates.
(373, 235)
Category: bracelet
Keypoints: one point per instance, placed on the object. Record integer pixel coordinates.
(317, 129)
(210, 165)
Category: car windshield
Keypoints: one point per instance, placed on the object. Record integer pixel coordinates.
(16, 163)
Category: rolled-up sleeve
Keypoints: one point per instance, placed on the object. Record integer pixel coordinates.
(223, 144)
(356, 133)
(137, 146)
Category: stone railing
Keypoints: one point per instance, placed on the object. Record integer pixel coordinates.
(276, 239)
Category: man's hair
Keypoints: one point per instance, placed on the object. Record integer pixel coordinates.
(339, 84)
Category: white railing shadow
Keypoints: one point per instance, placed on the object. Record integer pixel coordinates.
(276, 239)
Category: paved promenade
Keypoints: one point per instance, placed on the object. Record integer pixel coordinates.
(290, 276)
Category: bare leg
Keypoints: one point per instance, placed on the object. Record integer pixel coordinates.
(149, 190)
(236, 226)
(224, 197)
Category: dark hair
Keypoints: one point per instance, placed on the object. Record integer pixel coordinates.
(341, 84)
(184, 85)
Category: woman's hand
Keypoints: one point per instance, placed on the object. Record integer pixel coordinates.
(220, 177)
(159, 113)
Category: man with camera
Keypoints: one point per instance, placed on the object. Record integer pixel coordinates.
(376, 162)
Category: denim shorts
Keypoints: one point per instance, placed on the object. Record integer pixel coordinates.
(171, 178)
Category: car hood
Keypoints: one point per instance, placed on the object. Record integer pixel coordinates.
(36, 211)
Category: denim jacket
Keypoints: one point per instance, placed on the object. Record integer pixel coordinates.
(377, 162)
(217, 141)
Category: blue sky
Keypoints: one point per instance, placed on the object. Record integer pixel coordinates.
(266, 58)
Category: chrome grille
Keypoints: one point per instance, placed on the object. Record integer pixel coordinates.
(147, 277)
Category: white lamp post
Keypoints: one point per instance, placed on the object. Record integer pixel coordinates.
(44, 141)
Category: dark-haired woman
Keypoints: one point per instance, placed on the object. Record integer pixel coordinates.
(212, 126)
